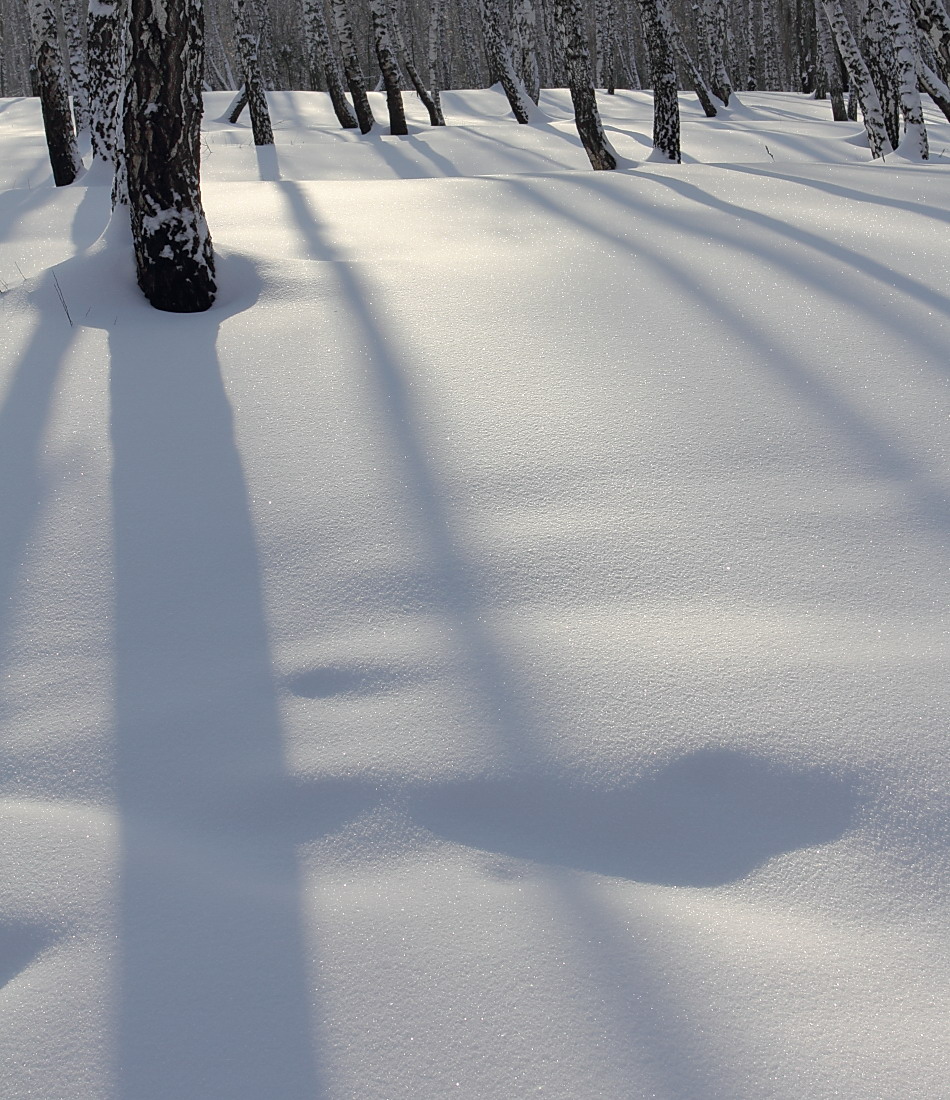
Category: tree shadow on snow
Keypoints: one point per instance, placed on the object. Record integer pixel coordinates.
(215, 978)
(707, 819)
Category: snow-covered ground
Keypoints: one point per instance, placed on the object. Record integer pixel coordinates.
(502, 648)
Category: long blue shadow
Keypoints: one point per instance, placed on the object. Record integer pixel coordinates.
(215, 989)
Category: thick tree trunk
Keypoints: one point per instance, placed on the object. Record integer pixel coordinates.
(713, 22)
(54, 95)
(320, 53)
(162, 121)
(389, 69)
(247, 42)
(567, 18)
(351, 66)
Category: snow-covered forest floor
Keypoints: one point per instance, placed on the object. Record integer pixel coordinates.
(502, 648)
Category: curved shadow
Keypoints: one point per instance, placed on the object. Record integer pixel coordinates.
(707, 819)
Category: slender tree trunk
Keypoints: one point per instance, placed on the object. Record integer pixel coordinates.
(162, 120)
(829, 60)
(54, 94)
(500, 63)
(525, 26)
(657, 22)
(935, 88)
(567, 17)
(696, 77)
(389, 69)
(247, 42)
(351, 66)
(320, 54)
(436, 118)
(860, 79)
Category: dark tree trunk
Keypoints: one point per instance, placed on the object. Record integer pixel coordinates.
(434, 109)
(54, 95)
(830, 64)
(237, 106)
(162, 121)
(567, 18)
(389, 69)
(351, 66)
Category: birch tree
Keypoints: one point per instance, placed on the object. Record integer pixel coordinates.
(54, 94)
(161, 128)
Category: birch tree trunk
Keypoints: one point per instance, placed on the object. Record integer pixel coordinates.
(500, 62)
(161, 125)
(567, 18)
(900, 28)
(247, 42)
(861, 81)
(320, 53)
(103, 51)
(351, 66)
(389, 68)
(525, 24)
(78, 77)
(829, 60)
(436, 118)
(54, 94)
(657, 22)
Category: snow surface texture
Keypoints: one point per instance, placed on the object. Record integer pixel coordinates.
(501, 649)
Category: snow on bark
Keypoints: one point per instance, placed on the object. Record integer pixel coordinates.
(161, 129)
(321, 54)
(657, 22)
(861, 81)
(54, 94)
(351, 66)
(78, 76)
(389, 68)
(901, 30)
(567, 18)
(932, 19)
(500, 62)
(247, 43)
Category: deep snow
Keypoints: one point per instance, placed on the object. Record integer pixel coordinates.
(502, 648)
